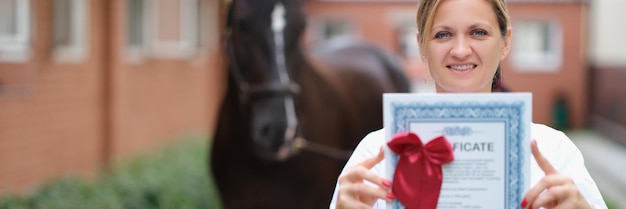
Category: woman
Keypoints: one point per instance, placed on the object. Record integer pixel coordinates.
(463, 43)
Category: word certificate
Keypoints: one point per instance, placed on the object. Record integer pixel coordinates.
(490, 137)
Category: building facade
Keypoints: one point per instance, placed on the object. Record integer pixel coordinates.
(84, 83)
(547, 57)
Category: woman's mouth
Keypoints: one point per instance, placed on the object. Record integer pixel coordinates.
(462, 67)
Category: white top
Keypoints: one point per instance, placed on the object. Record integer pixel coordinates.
(553, 144)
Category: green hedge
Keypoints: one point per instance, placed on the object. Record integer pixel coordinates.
(173, 178)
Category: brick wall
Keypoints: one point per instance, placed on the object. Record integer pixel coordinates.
(53, 125)
(76, 118)
(570, 81)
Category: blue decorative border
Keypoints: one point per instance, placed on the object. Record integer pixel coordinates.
(403, 114)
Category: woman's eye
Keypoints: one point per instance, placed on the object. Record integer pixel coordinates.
(479, 33)
(442, 35)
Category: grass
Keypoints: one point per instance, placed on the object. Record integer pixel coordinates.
(175, 177)
(610, 204)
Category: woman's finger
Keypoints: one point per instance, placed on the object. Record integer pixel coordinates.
(371, 162)
(545, 183)
(557, 195)
(347, 201)
(543, 163)
(354, 189)
(364, 190)
(360, 173)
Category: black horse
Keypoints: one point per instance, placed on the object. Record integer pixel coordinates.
(287, 117)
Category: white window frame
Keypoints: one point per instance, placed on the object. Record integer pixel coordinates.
(16, 47)
(407, 41)
(76, 50)
(211, 35)
(549, 62)
(322, 23)
(405, 32)
(136, 53)
(184, 48)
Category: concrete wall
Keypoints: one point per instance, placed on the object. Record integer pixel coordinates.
(606, 34)
(607, 56)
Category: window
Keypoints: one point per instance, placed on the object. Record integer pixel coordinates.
(327, 28)
(336, 28)
(14, 30)
(136, 26)
(537, 46)
(407, 41)
(70, 30)
(210, 31)
(163, 28)
(175, 33)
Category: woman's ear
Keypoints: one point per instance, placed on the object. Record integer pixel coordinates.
(507, 43)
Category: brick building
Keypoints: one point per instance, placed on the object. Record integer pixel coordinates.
(87, 82)
(548, 56)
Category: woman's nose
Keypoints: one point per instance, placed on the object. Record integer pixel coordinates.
(461, 48)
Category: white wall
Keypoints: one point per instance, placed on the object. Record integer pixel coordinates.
(607, 32)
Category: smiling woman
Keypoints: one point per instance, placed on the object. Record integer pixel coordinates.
(463, 43)
(459, 48)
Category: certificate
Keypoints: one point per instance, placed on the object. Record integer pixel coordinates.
(490, 137)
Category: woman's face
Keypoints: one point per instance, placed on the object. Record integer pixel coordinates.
(465, 46)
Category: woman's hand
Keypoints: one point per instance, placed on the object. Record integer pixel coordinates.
(354, 193)
(560, 191)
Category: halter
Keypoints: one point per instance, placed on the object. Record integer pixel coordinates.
(247, 92)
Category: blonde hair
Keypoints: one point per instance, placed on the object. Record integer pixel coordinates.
(426, 13)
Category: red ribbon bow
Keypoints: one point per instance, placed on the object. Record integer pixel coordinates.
(418, 176)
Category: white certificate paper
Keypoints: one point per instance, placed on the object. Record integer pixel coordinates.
(490, 134)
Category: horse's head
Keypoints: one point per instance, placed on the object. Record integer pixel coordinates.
(264, 55)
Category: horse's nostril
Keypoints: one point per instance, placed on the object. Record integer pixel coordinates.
(265, 131)
(269, 137)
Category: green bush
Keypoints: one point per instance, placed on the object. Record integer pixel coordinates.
(173, 178)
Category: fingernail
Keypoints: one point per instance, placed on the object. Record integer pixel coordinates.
(386, 183)
(524, 203)
(391, 196)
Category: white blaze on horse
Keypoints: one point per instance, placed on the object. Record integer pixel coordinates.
(278, 25)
